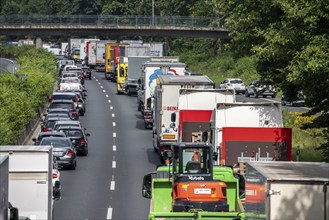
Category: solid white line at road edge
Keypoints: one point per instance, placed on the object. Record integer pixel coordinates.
(109, 213)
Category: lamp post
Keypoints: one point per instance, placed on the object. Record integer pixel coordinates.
(153, 12)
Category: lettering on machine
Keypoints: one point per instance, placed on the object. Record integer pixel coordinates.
(196, 178)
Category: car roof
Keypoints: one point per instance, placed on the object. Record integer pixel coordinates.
(234, 79)
(51, 133)
(71, 127)
(59, 119)
(68, 122)
(58, 109)
(55, 138)
(62, 101)
(63, 93)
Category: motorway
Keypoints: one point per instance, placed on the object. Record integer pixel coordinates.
(107, 183)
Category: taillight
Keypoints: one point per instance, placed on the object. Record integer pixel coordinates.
(59, 87)
(164, 148)
(45, 129)
(55, 175)
(69, 153)
(74, 113)
(82, 140)
(75, 99)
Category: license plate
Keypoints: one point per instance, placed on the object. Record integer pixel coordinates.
(202, 191)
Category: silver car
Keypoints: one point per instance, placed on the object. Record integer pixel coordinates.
(233, 83)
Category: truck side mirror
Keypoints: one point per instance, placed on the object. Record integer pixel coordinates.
(147, 186)
(173, 117)
(215, 156)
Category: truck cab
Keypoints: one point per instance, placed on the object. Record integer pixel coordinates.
(122, 73)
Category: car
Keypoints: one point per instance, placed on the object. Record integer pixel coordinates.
(47, 134)
(78, 137)
(297, 100)
(233, 83)
(67, 104)
(48, 124)
(59, 124)
(63, 150)
(257, 88)
(86, 72)
(131, 86)
(63, 95)
(60, 111)
(81, 105)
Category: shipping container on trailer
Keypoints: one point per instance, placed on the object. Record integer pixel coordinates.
(166, 96)
(287, 190)
(30, 180)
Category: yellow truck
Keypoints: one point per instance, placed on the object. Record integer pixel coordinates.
(122, 73)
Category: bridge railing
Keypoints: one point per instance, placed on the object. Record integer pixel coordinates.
(109, 20)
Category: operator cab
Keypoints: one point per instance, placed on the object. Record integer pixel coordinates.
(192, 162)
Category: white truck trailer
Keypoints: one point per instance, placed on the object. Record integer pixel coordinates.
(150, 71)
(156, 49)
(166, 96)
(7, 211)
(287, 190)
(91, 52)
(30, 180)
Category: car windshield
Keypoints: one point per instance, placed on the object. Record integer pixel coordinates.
(62, 105)
(56, 142)
(70, 80)
(236, 81)
(72, 132)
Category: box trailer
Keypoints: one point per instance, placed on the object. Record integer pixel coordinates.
(150, 72)
(156, 49)
(264, 114)
(287, 190)
(166, 96)
(30, 180)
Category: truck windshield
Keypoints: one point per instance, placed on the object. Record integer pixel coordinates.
(192, 161)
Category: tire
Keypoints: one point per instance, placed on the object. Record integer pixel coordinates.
(246, 94)
(82, 113)
(74, 166)
(273, 96)
(256, 95)
(85, 153)
(264, 96)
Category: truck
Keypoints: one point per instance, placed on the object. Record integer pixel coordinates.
(156, 49)
(189, 186)
(64, 46)
(166, 96)
(5, 206)
(136, 51)
(91, 52)
(249, 118)
(112, 56)
(30, 180)
(135, 70)
(122, 72)
(286, 190)
(100, 54)
(73, 43)
(150, 71)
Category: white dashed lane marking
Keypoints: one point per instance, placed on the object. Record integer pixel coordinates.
(114, 147)
(107, 95)
(114, 134)
(109, 213)
(114, 164)
(109, 101)
(113, 115)
(111, 107)
(114, 124)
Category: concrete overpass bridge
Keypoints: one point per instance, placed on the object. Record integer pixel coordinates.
(111, 25)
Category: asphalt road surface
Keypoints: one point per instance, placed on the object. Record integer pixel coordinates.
(107, 183)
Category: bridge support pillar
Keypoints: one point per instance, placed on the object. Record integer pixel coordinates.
(38, 42)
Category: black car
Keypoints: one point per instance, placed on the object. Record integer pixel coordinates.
(86, 72)
(67, 104)
(131, 86)
(63, 150)
(78, 137)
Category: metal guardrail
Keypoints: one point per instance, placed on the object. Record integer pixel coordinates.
(109, 20)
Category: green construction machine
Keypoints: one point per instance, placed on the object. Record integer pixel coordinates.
(191, 187)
